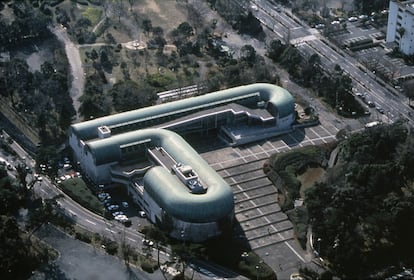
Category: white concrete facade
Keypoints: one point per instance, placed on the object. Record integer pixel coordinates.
(400, 28)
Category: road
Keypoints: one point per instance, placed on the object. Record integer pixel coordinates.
(309, 41)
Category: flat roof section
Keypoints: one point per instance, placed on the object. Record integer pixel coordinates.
(278, 97)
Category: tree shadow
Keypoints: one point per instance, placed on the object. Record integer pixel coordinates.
(52, 271)
(132, 275)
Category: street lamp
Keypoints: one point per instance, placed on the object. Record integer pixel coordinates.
(319, 245)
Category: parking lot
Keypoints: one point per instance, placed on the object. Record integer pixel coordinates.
(375, 58)
(263, 225)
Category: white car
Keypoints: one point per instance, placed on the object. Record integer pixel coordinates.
(147, 242)
(121, 218)
(142, 214)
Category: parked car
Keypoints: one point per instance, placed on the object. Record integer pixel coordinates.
(107, 202)
(113, 207)
(117, 213)
(103, 196)
(125, 204)
(379, 109)
(142, 214)
(120, 217)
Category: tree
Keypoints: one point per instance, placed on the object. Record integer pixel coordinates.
(408, 88)
(147, 25)
(275, 49)
(248, 54)
(131, 3)
(185, 29)
(129, 95)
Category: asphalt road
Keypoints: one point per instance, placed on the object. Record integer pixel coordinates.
(310, 41)
(78, 260)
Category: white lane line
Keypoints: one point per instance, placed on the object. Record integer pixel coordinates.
(70, 211)
(90, 222)
(294, 251)
(110, 230)
(131, 239)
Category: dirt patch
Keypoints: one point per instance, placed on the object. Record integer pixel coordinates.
(153, 6)
(167, 14)
(309, 178)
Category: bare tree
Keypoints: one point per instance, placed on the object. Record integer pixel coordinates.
(118, 9)
(131, 3)
(408, 88)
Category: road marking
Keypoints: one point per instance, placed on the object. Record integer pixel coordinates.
(294, 251)
(90, 222)
(70, 211)
(131, 239)
(110, 230)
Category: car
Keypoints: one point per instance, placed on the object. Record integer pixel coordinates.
(352, 19)
(360, 95)
(118, 213)
(39, 178)
(142, 214)
(379, 109)
(320, 26)
(147, 242)
(103, 196)
(113, 207)
(120, 217)
(296, 276)
(123, 219)
(371, 104)
(125, 204)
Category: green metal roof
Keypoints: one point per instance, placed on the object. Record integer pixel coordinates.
(165, 188)
(277, 96)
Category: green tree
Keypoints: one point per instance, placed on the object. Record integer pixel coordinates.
(248, 54)
(275, 49)
(129, 95)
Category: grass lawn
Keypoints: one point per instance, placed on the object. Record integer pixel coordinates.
(78, 191)
(93, 14)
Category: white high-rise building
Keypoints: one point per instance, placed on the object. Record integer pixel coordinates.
(400, 27)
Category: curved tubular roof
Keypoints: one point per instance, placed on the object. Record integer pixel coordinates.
(277, 96)
(165, 188)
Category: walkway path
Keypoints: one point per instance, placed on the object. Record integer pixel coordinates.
(73, 55)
